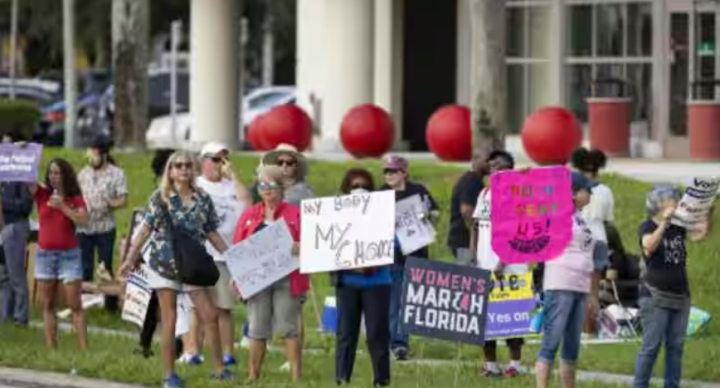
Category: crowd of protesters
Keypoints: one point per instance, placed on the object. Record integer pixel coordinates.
(204, 199)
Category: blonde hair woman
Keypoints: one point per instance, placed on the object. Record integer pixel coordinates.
(181, 202)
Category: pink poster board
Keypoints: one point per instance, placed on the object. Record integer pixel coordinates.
(531, 214)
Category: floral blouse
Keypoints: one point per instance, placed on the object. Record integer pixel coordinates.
(199, 220)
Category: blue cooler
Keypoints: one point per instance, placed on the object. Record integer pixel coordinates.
(330, 315)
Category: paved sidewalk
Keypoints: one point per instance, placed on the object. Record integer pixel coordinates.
(21, 378)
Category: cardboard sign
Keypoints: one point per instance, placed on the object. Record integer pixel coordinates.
(19, 164)
(348, 232)
(137, 297)
(262, 259)
(511, 307)
(412, 227)
(695, 205)
(445, 301)
(531, 214)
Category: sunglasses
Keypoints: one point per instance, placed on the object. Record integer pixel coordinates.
(391, 171)
(285, 162)
(181, 165)
(216, 159)
(267, 186)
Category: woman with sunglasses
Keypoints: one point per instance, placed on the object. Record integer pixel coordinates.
(275, 310)
(395, 170)
(362, 292)
(180, 202)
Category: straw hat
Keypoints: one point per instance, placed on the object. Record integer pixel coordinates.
(271, 157)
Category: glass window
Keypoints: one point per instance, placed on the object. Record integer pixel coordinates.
(639, 29)
(609, 30)
(538, 31)
(538, 86)
(578, 81)
(640, 79)
(516, 97)
(579, 30)
(515, 31)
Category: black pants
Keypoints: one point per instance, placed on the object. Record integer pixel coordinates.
(352, 303)
(103, 244)
(150, 325)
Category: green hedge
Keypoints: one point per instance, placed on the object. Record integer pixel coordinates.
(18, 117)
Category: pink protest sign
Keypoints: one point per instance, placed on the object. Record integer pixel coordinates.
(531, 214)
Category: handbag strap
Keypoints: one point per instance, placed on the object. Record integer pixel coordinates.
(167, 219)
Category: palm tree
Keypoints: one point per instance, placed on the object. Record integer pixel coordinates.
(488, 74)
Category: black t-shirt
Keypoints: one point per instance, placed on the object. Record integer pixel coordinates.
(412, 188)
(466, 191)
(666, 267)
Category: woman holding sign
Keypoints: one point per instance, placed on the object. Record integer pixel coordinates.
(665, 292)
(275, 310)
(566, 284)
(179, 208)
(61, 209)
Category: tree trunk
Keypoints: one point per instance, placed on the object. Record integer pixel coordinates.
(489, 74)
(130, 36)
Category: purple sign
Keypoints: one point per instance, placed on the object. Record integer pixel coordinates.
(19, 163)
(509, 319)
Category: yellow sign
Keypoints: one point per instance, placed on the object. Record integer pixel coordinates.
(512, 287)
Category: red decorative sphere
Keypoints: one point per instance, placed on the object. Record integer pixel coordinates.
(449, 133)
(254, 134)
(286, 124)
(367, 131)
(550, 136)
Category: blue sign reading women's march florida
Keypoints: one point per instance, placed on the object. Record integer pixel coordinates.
(511, 308)
(445, 301)
(19, 163)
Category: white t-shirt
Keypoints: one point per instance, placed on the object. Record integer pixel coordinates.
(601, 209)
(572, 270)
(486, 256)
(228, 208)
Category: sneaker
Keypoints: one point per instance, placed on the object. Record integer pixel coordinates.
(173, 381)
(191, 359)
(513, 372)
(285, 367)
(144, 352)
(401, 354)
(225, 375)
(490, 373)
(229, 360)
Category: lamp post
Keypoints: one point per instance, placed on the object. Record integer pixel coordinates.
(13, 46)
(69, 70)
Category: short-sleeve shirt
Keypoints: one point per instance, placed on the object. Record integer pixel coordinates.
(666, 268)
(228, 208)
(572, 270)
(98, 186)
(199, 220)
(56, 231)
(486, 256)
(466, 191)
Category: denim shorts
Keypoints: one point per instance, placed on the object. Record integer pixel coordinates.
(564, 317)
(65, 265)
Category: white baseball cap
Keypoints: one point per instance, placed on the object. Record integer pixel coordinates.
(213, 149)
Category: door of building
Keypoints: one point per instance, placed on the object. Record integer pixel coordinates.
(694, 55)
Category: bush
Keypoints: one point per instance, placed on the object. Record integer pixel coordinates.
(18, 117)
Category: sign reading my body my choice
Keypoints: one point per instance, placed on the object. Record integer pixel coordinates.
(347, 232)
(19, 164)
(531, 214)
(445, 301)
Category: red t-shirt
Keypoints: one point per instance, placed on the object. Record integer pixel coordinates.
(56, 230)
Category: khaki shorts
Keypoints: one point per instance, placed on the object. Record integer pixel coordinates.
(274, 311)
(222, 294)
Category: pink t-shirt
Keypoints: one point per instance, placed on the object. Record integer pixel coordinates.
(572, 271)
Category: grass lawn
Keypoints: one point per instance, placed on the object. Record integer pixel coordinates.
(701, 352)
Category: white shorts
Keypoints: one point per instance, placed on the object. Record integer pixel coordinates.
(157, 282)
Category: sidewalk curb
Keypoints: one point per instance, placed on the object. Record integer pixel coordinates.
(38, 379)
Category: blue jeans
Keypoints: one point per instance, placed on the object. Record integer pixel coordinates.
(564, 317)
(64, 265)
(660, 326)
(398, 339)
(16, 297)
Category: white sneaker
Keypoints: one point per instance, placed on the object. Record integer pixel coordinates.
(285, 367)
(245, 343)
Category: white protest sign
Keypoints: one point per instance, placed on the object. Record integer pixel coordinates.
(347, 232)
(183, 308)
(695, 204)
(137, 297)
(412, 227)
(262, 259)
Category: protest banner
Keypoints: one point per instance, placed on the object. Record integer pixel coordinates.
(19, 163)
(511, 307)
(695, 205)
(412, 227)
(531, 214)
(262, 259)
(137, 297)
(445, 301)
(347, 232)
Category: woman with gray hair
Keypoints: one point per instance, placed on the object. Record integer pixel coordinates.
(276, 309)
(664, 292)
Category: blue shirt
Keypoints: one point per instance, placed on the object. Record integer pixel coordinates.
(381, 277)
